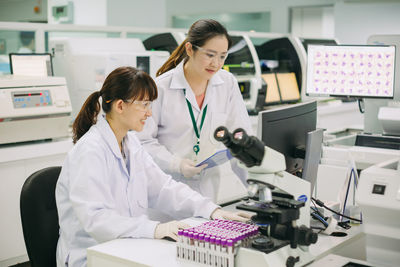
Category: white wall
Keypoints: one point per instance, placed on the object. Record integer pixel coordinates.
(313, 22)
(22, 10)
(85, 12)
(148, 13)
(356, 21)
(279, 9)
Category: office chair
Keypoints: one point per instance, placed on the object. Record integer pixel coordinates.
(39, 216)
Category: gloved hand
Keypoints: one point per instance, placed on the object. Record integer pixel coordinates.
(169, 229)
(188, 168)
(228, 215)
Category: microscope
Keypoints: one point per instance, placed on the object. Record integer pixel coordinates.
(280, 200)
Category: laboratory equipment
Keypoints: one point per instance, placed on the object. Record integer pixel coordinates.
(167, 41)
(31, 64)
(378, 195)
(33, 108)
(282, 69)
(375, 153)
(86, 62)
(215, 242)
(280, 200)
(242, 61)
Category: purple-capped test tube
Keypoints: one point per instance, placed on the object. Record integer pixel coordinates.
(229, 244)
(185, 233)
(212, 239)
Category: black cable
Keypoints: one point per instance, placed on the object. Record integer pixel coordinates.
(359, 100)
(321, 204)
(316, 209)
(347, 191)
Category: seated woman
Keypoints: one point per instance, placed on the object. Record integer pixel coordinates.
(108, 180)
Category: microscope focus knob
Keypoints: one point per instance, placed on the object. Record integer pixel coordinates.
(291, 261)
(307, 236)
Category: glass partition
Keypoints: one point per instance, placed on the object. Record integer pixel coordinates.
(14, 42)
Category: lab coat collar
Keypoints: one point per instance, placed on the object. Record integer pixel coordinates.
(108, 136)
(130, 139)
(179, 81)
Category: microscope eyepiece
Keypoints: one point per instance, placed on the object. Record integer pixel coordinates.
(222, 134)
(247, 149)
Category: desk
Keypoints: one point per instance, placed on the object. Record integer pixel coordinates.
(150, 252)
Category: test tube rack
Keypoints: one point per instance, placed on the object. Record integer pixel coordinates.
(214, 243)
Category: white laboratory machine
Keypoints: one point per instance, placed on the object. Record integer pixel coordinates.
(33, 108)
(242, 61)
(86, 62)
(378, 195)
(375, 152)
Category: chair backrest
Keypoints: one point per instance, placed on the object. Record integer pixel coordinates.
(39, 216)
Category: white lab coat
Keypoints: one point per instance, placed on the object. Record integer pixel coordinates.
(169, 135)
(100, 197)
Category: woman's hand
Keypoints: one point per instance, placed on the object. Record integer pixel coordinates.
(228, 215)
(188, 168)
(169, 229)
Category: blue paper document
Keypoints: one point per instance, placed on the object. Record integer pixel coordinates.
(218, 158)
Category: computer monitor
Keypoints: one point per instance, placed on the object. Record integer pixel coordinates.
(351, 71)
(310, 41)
(291, 130)
(31, 64)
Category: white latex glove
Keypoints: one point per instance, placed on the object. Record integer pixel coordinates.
(188, 168)
(169, 229)
(228, 215)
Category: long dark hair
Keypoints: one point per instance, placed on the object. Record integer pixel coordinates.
(199, 33)
(122, 83)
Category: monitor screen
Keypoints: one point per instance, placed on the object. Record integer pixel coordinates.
(285, 130)
(31, 64)
(351, 71)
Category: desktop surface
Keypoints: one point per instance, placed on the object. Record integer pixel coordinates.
(152, 252)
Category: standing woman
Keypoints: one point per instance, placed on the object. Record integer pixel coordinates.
(108, 181)
(195, 97)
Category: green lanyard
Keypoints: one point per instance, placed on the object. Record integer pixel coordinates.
(196, 147)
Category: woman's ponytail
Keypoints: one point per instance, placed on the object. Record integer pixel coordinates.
(176, 57)
(87, 116)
